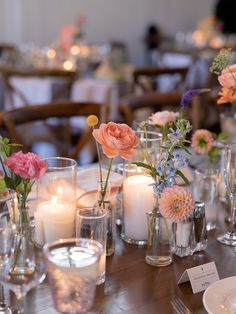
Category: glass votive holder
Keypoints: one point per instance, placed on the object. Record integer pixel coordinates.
(149, 149)
(137, 200)
(56, 198)
(119, 208)
(59, 180)
(200, 230)
(205, 189)
(183, 240)
(91, 223)
(72, 266)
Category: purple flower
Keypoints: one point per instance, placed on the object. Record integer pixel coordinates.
(187, 96)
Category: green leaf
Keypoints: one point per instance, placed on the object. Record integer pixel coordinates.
(6, 140)
(214, 152)
(184, 148)
(214, 135)
(182, 176)
(223, 136)
(143, 165)
(9, 182)
(2, 183)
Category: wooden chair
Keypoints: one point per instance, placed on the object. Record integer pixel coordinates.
(155, 101)
(65, 77)
(11, 120)
(145, 78)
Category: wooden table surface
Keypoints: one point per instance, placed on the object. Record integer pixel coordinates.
(132, 286)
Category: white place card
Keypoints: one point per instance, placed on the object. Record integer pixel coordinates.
(200, 277)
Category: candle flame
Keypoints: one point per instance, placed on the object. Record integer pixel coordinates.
(59, 190)
(51, 53)
(54, 200)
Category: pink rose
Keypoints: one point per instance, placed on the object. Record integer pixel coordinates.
(27, 166)
(116, 140)
(163, 117)
(228, 77)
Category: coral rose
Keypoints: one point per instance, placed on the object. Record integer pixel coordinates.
(227, 95)
(27, 166)
(163, 117)
(116, 140)
(202, 141)
(228, 77)
(176, 203)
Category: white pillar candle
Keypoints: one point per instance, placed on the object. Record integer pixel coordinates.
(137, 201)
(38, 232)
(54, 221)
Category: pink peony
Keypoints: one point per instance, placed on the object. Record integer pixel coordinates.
(27, 166)
(228, 77)
(163, 117)
(202, 141)
(227, 95)
(176, 203)
(116, 140)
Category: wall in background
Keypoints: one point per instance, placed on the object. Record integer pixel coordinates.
(39, 21)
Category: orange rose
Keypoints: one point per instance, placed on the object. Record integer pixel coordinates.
(116, 140)
(227, 95)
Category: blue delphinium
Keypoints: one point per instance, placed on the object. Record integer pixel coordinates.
(187, 96)
(165, 173)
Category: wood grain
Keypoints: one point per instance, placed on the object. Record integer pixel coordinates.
(132, 286)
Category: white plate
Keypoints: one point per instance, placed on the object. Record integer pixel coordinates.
(220, 297)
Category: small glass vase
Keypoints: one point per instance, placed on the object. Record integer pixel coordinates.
(22, 260)
(105, 203)
(159, 239)
(183, 241)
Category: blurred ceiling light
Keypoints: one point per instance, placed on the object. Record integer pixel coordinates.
(51, 53)
(68, 65)
(75, 50)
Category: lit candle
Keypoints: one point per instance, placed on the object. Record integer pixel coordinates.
(137, 201)
(38, 232)
(53, 221)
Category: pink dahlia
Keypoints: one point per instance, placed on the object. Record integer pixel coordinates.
(202, 141)
(163, 117)
(176, 203)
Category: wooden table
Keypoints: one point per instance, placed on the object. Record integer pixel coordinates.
(132, 286)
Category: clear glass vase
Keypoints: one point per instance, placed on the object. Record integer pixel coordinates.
(22, 260)
(159, 239)
(104, 202)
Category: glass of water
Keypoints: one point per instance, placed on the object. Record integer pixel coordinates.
(205, 189)
(72, 266)
(91, 223)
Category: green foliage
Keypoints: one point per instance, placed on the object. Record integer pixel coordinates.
(7, 149)
(166, 170)
(222, 61)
